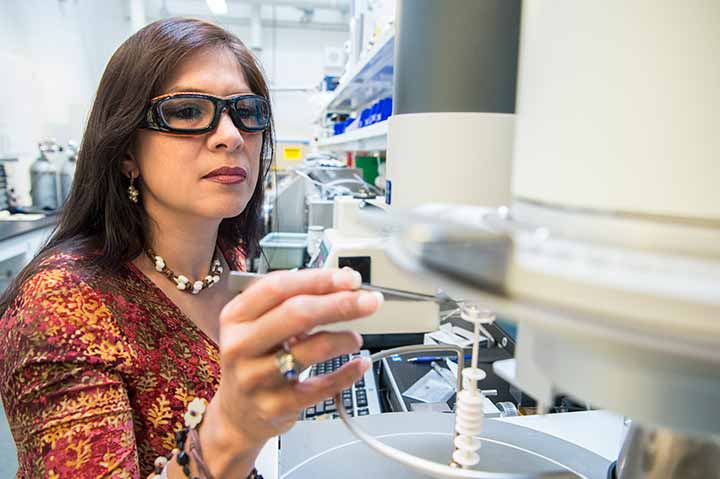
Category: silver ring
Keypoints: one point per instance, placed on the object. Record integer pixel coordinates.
(288, 367)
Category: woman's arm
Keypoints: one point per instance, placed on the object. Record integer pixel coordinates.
(71, 421)
(67, 407)
(227, 453)
(253, 402)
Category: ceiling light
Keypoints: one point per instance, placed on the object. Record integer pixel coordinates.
(217, 7)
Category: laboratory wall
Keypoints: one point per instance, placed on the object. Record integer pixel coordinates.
(51, 58)
(293, 60)
(54, 51)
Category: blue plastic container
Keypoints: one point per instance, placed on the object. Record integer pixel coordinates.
(364, 117)
(385, 108)
(375, 115)
(331, 82)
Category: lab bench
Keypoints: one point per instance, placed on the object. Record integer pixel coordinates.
(19, 242)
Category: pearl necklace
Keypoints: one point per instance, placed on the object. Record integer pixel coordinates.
(182, 282)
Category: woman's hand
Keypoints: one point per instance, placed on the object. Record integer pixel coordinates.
(254, 402)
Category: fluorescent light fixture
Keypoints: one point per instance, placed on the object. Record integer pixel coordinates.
(217, 7)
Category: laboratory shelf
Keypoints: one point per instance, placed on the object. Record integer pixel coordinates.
(368, 80)
(370, 138)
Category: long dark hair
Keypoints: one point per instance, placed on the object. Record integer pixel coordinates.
(98, 217)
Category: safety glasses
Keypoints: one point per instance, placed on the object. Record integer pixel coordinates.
(197, 113)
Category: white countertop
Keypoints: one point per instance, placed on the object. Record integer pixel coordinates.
(601, 432)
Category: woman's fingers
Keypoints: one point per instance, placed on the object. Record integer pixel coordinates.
(277, 406)
(295, 316)
(319, 388)
(298, 338)
(284, 308)
(318, 347)
(279, 286)
(325, 345)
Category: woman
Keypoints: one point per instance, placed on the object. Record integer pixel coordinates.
(104, 344)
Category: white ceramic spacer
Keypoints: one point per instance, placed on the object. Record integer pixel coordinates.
(465, 457)
(469, 418)
(474, 314)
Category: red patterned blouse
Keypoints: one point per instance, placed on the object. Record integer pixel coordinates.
(96, 371)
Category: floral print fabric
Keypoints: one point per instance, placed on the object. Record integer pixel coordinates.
(96, 371)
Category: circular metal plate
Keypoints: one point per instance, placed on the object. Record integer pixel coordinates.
(327, 450)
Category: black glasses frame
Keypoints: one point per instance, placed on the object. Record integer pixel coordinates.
(154, 119)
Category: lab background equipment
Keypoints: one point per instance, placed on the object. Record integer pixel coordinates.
(351, 243)
(4, 188)
(284, 250)
(599, 238)
(67, 170)
(612, 271)
(303, 197)
(327, 200)
(43, 177)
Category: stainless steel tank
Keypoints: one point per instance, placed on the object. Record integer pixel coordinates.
(67, 170)
(43, 177)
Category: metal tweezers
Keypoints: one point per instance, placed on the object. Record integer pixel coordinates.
(242, 280)
(399, 294)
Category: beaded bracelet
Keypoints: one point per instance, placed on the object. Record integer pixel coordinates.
(193, 417)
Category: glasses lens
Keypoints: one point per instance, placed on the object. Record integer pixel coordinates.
(187, 113)
(253, 113)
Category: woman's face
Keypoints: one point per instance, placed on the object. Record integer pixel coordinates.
(179, 173)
